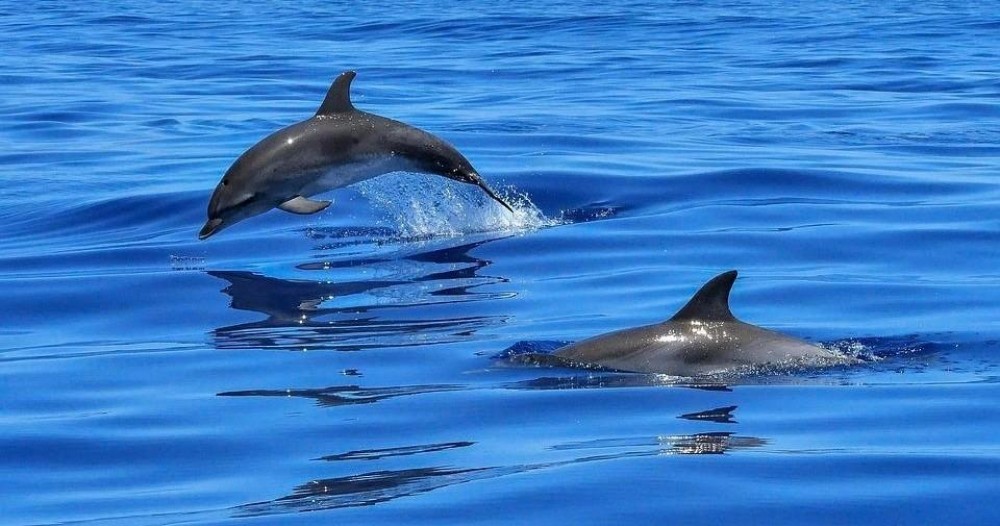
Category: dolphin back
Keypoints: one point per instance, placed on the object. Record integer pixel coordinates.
(702, 338)
(711, 302)
(338, 97)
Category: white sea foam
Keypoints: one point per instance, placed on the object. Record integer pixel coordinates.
(422, 206)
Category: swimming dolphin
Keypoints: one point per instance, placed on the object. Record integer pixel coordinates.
(703, 338)
(336, 147)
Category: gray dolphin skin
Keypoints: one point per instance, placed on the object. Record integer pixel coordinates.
(336, 147)
(703, 338)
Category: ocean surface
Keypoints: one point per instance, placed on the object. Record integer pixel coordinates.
(348, 367)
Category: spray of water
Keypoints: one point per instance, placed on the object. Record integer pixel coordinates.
(420, 207)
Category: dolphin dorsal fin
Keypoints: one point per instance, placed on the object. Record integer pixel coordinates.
(711, 302)
(338, 98)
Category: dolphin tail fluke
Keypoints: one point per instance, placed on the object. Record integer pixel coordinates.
(489, 191)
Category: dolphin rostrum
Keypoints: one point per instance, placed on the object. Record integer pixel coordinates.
(336, 147)
(703, 338)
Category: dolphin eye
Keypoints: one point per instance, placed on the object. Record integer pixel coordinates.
(225, 182)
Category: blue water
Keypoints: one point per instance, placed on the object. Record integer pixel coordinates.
(338, 368)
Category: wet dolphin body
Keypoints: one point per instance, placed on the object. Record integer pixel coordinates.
(703, 338)
(336, 147)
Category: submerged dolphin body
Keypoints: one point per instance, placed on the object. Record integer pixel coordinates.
(703, 338)
(338, 146)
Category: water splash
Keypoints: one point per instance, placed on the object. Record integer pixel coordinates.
(874, 349)
(419, 206)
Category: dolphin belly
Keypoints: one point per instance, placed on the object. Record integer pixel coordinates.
(355, 171)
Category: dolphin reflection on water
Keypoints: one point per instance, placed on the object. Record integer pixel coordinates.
(329, 306)
(375, 487)
(412, 474)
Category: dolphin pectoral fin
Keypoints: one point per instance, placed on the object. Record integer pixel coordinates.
(303, 206)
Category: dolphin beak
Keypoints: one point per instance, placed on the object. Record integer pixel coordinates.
(211, 226)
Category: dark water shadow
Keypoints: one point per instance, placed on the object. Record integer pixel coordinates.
(404, 451)
(346, 394)
(369, 488)
(370, 477)
(363, 489)
(337, 310)
(719, 415)
(364, 486)
(341, 395)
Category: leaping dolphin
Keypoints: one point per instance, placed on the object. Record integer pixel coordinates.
(703, 338)
(336, 147)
